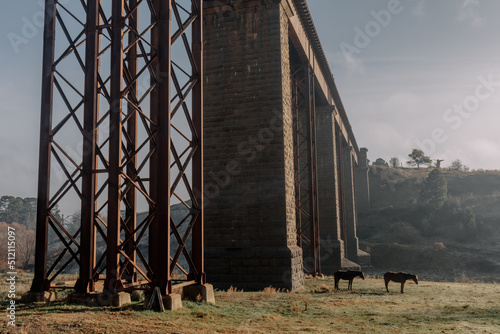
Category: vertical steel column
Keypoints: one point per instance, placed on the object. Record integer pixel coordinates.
(305, 159)
(153, 161)
(313, 172)
(131, 194)
(85, 282)
(197, 172)
(159, 247)
(113, 282)
(40, 282)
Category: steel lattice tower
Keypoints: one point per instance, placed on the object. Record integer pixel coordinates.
(305, 161)
(121, 132)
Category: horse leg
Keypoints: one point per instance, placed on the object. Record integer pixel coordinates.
(387, 285)
(337, 283)
(350, 284)
(402, 286)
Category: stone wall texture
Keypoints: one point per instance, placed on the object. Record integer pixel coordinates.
(249, 191)
(362, 183)
(332, 248)
(351, 238)
(250, 204)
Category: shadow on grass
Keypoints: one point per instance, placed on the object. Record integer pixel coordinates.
(56, 307)
(371, 293)
(361, 292)
(62, 307)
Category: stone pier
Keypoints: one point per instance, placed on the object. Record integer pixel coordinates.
(250, 47)
(250, 228)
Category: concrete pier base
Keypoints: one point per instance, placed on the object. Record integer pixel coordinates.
(172, 302)
(349, 265)
(331, 255)
(116, 299)
(89, 299)
(204, 293)
(364, 259)
(39, 297)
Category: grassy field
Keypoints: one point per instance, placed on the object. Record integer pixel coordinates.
(429, 307)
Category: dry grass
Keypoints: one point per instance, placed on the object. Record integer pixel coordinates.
(429, 307)
(23, 283)
(232, 293)
(323, 288)
(269, 292)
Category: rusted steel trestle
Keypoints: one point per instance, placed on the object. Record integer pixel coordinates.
(306, 187)
(121, 138)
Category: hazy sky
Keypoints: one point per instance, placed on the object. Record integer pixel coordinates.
(410, 72)
(427, 75)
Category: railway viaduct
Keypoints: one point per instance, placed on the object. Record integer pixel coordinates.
(201, 141)
(282, 166)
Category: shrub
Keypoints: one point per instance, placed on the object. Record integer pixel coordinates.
(434, 191)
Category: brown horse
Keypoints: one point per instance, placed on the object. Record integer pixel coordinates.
(399, 278)
(347, 275)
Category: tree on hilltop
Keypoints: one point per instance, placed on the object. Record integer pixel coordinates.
(394, 162)
(380, 162)
(417, 158)
(458, 165)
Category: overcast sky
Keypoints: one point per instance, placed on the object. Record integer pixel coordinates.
(426, 76)
(410, 73)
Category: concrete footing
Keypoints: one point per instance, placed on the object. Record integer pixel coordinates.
(39, 297)
(349, 265)
(204, 293)
(99, 299)
(118, 299)
(254, 268)
(200, 293)
(172, 302)
(331, 255)
(364, 259)
(89, 299)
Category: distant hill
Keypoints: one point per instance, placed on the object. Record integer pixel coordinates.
(459, 242)
(178, 213)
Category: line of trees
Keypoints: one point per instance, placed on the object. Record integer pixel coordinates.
(20, 213)
(25, 245)
(418, 158)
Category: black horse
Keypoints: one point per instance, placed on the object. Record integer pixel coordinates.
(399, 278)
(347, 275)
